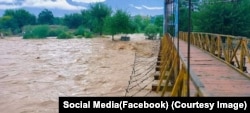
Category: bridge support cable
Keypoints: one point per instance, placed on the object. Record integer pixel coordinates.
(142, 75)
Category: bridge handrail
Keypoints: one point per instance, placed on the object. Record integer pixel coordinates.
(173, 68)
(223, 35)
(233, 50)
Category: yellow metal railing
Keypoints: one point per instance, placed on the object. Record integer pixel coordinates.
(173, 72)
(231, 49)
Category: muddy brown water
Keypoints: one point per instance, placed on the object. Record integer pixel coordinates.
(34, 73)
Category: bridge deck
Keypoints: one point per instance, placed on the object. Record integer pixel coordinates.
(219, 79)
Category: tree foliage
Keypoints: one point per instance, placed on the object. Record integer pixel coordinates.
(94, 20)
(46, 17)
(224, 18)
(16, 19)
(73, 20)
(158, 21)
(183, 16)
(38, 31)
(86, 19)
(98, 12)
(118, 23)
(151, 31)
(137, 21)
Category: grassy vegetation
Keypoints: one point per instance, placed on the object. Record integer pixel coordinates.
(79, 31)
(88, 34)
(36, 32)
(151, 31)
(61, 32)
(65, 35)
(56, 30)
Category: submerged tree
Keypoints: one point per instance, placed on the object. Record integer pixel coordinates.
(98, 12)
(119, 23)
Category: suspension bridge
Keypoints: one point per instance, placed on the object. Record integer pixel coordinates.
(192, 64)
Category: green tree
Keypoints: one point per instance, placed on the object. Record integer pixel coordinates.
(183, 18)
(58, 21)
(98, 12)
(224, 18)
(140, 23)
(16, 19)
(86, 19)
(145, 23)
(73, 20)
(151, 31)
(137, 22)
(159, 20)
(23, 18)
(183, 14)
(7, 23)
(159, 23)
(36, 32)
(45, 17)
(119, 23)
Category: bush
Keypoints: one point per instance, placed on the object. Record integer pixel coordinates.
(52, 33)
(6, 32)
(65, 35)
(151, 31)
(28, 35)
(57, 30)
(79, 36)
(79, 31)
(88, 34)
(36, 32)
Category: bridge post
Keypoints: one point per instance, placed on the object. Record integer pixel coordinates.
(165, 22)
(176, 17)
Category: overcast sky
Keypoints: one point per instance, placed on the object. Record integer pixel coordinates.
(61, 7)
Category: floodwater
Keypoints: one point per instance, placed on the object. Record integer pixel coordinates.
(34, 73)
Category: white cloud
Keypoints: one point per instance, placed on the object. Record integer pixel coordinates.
(88, 1)
(137, 7)
(50, 4)
(58, 4)
(145, 7)
(3, 6)
(152, 8)
(7, 1)
(8, 4)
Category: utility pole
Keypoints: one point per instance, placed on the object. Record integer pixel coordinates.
(176, 2)
(189, 36)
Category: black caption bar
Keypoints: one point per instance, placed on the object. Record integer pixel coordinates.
(153, 104)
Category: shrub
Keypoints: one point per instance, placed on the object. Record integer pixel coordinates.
(36, 32)
(79, 31)
(28, 35)
(65, 35)
(79, 36)
(6, 32)
(151, 31)
(57, 30)
(52, 33)
(41, 31)
(88, 34)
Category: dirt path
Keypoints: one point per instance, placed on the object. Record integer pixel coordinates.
(34, 73)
